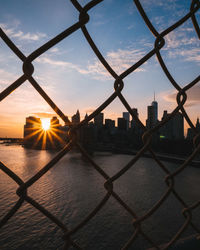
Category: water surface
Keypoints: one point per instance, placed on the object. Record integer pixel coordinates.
(72, 188)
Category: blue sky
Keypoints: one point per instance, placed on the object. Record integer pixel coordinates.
(70, 72)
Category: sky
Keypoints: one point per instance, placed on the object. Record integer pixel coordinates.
(72, 75)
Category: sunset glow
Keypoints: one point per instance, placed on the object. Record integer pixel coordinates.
(45, 124)
(73, 76)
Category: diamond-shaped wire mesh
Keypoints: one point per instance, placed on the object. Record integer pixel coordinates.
(170, 179)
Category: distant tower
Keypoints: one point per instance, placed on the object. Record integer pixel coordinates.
(174, 128)
(155, 107)
(98, 120)
(126, 116)
(152, 114)
(76, 118)
(121, 124)
(198, 124)
(86, 116)
(133, 122)
(178, 126)
(32, 131)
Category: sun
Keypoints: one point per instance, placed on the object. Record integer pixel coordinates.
(45, 124)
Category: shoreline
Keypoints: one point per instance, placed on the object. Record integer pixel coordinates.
(161, 156)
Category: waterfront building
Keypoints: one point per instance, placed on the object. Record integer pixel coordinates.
(152, 114)
(174, 128)
(178, 126)
(150, 117)
(126, 116)
(154, 104)
(133, 122)
(198, 125)
(76, 118)
(191, 132)
(32, 129)
(121, 124)
(109, 124)
(98, 120)
(32, 124)
(54, 122)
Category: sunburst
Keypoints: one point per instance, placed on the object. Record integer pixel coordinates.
(45, 124)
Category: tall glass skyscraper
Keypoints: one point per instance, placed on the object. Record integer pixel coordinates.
(152, 114)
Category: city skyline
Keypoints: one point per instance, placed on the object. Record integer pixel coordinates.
(151, 119)
(149, 122)
(68, 70)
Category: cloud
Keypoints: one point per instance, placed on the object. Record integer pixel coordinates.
(54, 50)
(13, 32)
(166, 4)
(119, 60)
(193, 96)
(44, 114)
(59, 63)
(175, 39)
(182, 43)
(192, 55)
(6, 77)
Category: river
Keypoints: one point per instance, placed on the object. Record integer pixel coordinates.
(72, 188)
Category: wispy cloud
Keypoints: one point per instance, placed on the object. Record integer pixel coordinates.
(14, 32)
(60, 63)
(183, 43)
(6, 78)
(192, 55)
(166, 4)
(179, 38)
(119, 60)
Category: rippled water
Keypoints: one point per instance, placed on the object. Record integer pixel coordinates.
(72, 188)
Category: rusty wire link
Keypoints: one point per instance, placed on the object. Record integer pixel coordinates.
(170, 177)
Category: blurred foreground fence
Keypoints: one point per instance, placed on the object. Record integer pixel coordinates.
(170, 177)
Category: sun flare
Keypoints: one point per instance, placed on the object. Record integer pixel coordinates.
(45, 124)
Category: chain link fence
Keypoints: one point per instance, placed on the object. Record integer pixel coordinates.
(181, 98)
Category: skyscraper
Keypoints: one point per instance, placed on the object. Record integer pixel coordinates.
(154, 104)
(133, 122)
(126, 116)
(121, 124)
(76, 118)
(54, 122)
(174, 128)
(152, 114)
(98, 120)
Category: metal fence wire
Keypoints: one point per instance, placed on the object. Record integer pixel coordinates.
(181, 98)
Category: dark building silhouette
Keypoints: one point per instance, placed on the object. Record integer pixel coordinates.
(121, 124)
(32, 130)
(126, 116)
(152, 115)
(109, 124)
(191, 133)
(154, 104)
(98, 120)
(133, 121)
(174, 128)
(54, 122)
(76, 118)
